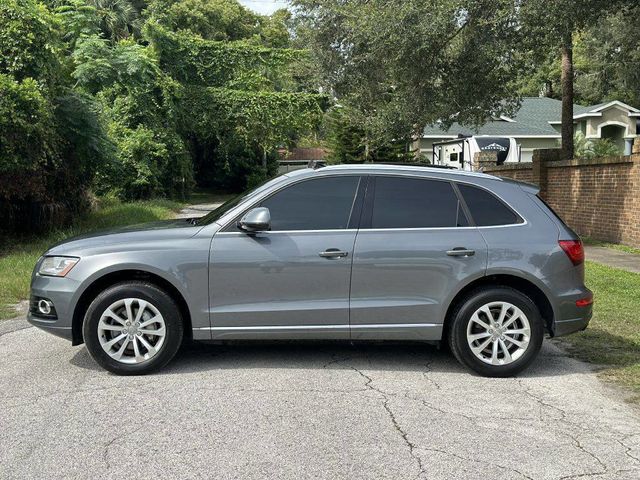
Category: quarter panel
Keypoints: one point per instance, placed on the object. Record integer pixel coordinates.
(531, 251)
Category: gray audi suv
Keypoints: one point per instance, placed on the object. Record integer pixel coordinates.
(349, 252)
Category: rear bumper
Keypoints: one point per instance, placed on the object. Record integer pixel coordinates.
(565, 327)
(573, 318)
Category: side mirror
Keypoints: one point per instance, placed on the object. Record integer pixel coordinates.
(256, 220)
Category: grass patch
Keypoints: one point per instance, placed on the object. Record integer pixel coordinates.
(616, 246)
(19, 255)
(613, 337)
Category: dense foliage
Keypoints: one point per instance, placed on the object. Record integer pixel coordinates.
(51, 136)
(145, 98)
(347, 141)
(139, 98)
(398, 65)
(606, 59)
(401, 64)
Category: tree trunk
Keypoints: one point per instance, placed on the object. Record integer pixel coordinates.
(264, 158)
(567, 96)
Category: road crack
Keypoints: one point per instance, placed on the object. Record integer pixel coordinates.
(403, 434)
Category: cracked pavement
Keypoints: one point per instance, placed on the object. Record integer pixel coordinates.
(306, 410)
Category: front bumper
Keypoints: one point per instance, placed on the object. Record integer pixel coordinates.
(61, 292)
(50, 326)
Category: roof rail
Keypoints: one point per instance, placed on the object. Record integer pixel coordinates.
(316, 164)
(416, 164)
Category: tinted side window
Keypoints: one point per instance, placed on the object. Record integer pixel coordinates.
(415, 203)
(319, 204)
(486, 209)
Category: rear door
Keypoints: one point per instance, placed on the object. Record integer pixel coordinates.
(414, 248)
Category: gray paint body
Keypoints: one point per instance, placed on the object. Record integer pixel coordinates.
(393, 284)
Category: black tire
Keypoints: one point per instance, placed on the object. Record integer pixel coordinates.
(139, 290)
(462, 316)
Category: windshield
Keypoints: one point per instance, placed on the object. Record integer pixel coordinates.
(237, 200)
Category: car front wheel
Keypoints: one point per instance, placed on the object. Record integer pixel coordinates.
(133, 328)
(496, 331)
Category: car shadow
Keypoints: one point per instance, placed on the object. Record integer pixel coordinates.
(323, 355)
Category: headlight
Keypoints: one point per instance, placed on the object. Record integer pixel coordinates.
(57, 266)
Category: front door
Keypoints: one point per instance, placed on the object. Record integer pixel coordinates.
(414, 248)
(292, 281)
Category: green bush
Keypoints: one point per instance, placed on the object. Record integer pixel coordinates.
(148, 164)
(601, 147)
(27, 141)
(605, 147)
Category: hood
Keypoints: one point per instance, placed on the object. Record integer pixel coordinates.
(144, 232)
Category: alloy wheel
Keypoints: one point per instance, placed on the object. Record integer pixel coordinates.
(131, 330)
(498, 333)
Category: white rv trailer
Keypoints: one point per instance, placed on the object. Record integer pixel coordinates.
(460, 152)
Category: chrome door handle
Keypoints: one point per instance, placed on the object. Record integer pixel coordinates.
(461, 252)
(333, 253)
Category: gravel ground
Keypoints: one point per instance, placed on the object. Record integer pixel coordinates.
(305, 410)
(198, 210)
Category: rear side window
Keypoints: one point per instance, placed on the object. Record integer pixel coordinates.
(319, 204)
(415, 203)
(486, 209)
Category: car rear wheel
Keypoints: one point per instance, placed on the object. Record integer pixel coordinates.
(496, 331)
(133, 328)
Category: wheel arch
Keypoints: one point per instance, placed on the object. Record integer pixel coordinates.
(517, 282)
(107, 279)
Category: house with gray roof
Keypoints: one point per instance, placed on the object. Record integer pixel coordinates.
(537, 125)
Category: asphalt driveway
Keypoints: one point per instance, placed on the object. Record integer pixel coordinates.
(312, 410)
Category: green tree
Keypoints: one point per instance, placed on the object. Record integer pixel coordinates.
(209, 19)
(239, 98)
(347, 142)
(138, 105)
(51, 137)
(344, 138)
(30, 42)
(548, 25)
(403, 64)
(611, 49)
(118, 19)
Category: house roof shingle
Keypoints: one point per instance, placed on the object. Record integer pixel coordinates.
(532, 118)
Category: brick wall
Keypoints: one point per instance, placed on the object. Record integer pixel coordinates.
(599, 198)
(518, 171)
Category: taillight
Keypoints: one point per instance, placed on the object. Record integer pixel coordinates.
(584, 302)
(573, 249)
